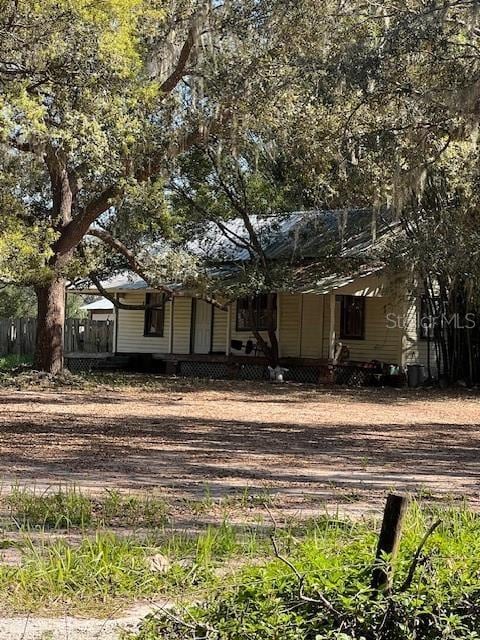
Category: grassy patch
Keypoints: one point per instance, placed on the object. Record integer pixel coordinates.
(66, 508)
(13, 360)
(333, 600)
(60, 509)
(240, 588)
(105, 570)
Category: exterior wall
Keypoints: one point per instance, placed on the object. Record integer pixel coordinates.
(415, 349)
(381, 342)
(303, 329)
(102, 316)
(130, 338)
(182, 319)
(220, 326)
(290, 323)
(312, 327)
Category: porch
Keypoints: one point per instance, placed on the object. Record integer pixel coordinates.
(302, 370)
(187, 336)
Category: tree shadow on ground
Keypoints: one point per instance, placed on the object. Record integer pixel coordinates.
(187, 453)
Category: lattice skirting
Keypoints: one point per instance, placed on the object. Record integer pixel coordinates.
(349, 375)
(193, 369)
(84, 365)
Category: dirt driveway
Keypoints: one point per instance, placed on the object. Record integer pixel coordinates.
(310, 447)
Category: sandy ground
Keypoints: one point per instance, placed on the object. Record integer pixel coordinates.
(311, 449)
(70, 628)
(307, 446)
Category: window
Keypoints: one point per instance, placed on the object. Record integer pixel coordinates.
(155, 315)
(260, 313)
(352, 319)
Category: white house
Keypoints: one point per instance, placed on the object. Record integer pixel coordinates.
(371, 312)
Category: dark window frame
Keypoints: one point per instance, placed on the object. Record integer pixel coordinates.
(147, 318)
(258, 309)
(345, 303)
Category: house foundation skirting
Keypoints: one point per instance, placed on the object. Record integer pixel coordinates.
(222, 367)
(348, 374)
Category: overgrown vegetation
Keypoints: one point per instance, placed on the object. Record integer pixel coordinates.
(312, 583)
(333, 599)
(105, 570)
(11, 361)
(68, 507)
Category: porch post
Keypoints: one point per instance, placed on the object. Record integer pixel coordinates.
(170, 319)
(277, 331)
(332, 336)
(229, 330)
(115, 325)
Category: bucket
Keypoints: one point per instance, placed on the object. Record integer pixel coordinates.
(415, 375)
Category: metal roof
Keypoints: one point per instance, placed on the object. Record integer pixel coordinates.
(98, 305)
(296, 236)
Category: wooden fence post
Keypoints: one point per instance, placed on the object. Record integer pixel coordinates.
(388, 541)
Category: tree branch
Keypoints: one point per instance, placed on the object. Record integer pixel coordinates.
(174, 78)
(322, 600)
(416, 558)
(116, 303)
(132, 261)
(77, 228)
(139, 269)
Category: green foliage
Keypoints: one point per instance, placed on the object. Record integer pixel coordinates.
(131, 510)
(87, 576)
(83, 93)
(12, 361)
(335, 559)
(17, 302)
(66, 508)
(59, 509)
(104, 570)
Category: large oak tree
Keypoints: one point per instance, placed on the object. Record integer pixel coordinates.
(94, 102)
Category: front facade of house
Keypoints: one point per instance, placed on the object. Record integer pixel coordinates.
(368, 320)
(373, 320)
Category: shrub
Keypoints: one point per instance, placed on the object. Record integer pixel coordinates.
(334, 599)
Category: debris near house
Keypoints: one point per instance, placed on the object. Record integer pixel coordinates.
(277, 374)
(24, 376)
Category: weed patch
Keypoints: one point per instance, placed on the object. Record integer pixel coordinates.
(333, 598)
(68, 507)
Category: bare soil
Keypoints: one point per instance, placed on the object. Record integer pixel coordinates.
(310, 448)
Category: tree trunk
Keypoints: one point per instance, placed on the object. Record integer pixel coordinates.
(50, 323)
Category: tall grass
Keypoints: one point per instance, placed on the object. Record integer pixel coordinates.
(105, 569)
(333, 599)
(243, 589)
(68, 507)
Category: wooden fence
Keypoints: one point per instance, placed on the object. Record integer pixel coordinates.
(85, 336)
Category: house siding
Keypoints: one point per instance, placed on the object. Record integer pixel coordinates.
(290, 317)
(312, 326)
(182, 319)
(219, 336)
(415, 349)
(130, 338)
(303, 329)
(381, 342)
